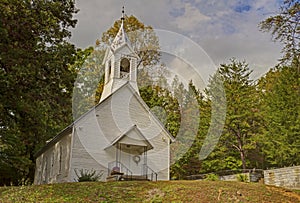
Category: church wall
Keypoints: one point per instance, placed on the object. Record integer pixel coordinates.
(106, 121)
(88, 147)
(96, 131)
(52, 166)
(82, 160)
(159, 157)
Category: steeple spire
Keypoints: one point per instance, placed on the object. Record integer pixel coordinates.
(121, 37)
(122, 18)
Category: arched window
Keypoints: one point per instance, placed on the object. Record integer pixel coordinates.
(125, 65)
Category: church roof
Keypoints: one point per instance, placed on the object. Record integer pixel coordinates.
(133, 136)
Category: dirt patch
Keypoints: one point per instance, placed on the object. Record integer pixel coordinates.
(285, 192)
(155, 195)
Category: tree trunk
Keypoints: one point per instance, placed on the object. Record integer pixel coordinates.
(243, 158)
(242, 152)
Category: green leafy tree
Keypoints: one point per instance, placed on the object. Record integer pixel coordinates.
(285, 27)
(163, 105)
(185, 150)
(280, 91)
(280, 142)
(35, 81)
(89, 82)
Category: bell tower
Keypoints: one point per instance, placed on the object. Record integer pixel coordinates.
(120, 63)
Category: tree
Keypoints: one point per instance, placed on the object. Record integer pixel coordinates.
(163, 105)
(242, 119)
(280, 90)
(185, 150)
(285, 27)
(89, 82)
(35, 81)
(280, 107)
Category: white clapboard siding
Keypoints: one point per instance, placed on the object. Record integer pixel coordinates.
(52, 166)
(112, 117)
(82, 159)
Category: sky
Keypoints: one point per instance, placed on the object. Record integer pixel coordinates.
(223, 29)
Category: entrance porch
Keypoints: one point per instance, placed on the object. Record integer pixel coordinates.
(131, 158)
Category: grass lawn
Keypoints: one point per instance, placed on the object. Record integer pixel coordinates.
(144, 191)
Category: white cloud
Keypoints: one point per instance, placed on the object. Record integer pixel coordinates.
(191, 18)
(215, 25)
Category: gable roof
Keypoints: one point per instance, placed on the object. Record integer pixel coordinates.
(127, 137)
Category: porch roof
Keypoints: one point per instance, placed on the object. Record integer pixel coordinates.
(132, 137)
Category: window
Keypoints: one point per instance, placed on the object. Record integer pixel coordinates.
(60, 159)
(109, 68)
(125, 65)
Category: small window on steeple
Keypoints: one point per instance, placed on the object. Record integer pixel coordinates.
(109, 68)
(125, 65)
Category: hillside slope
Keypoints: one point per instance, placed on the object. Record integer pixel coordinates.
(168, 191)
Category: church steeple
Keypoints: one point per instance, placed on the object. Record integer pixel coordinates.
(121, 38)
(120, 63)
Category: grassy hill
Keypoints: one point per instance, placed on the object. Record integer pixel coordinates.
(168, 191)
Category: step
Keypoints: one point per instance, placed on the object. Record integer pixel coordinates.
(113, 178)
(133, 177)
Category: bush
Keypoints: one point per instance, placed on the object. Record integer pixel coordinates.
(212, 177)
(242, 177)
(88, 175)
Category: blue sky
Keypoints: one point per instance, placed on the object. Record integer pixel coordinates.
(223, 28)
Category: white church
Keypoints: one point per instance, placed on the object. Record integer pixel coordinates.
(119, 137)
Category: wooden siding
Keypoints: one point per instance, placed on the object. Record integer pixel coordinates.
(82, 159)
(52, 166)
(112, 117)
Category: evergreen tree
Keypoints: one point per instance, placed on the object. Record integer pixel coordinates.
(242, 121)
(280, 141)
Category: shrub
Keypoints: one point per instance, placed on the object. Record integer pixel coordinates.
(242, 177)
(212, 177)
(85, 175)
